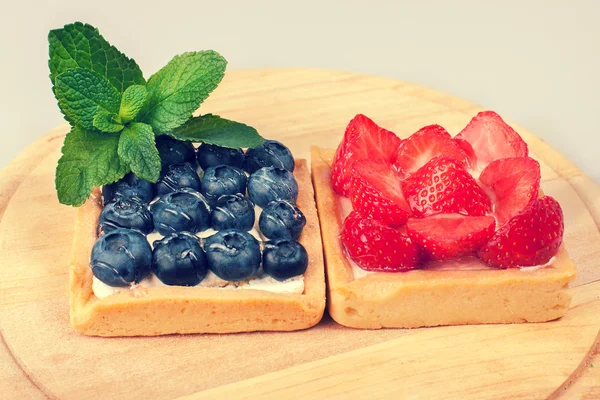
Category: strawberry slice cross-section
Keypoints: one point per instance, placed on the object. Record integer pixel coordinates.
(443, 185)
(377, 247)
(487, 138)
(376, 192)
(512, 184)
(447, 236)
(363, 139)
(529, 238)
(425, 144)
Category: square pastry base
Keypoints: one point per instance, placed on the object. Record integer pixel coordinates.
(177, 309)
(421, 298)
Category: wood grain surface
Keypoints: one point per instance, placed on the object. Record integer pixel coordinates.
(42, 357)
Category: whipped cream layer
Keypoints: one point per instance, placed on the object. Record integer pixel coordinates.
(259, 282)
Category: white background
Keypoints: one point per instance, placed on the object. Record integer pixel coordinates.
(535, 62)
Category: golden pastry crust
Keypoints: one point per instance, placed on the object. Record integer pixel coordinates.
(177, 309)
(421, 298)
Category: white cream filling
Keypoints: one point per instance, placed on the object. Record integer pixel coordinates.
(260, 282)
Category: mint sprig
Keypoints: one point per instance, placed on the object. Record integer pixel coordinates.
(213, 129)
(115, 115)
(177, 90)
(89, 159)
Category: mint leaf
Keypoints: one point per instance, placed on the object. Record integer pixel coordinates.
(81, 46)
(82, 94)
(132, 102)
(89, 159)
(213, 129)
(177, 90)
(137, 148)
(107, 122)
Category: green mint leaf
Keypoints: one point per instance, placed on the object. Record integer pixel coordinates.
(213, 129)
(177, 90)
(132, 102)
(137, 148)
(89, 159)
(82, 94)
(81, 46)
(107, 122)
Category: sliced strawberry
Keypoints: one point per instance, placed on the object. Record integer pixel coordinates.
(363, 139)
(446, 236)
(376, 192)
(443, 186)
(425, 144)
(512, 184)
(529, 238)
(487, 138)
(376, 247)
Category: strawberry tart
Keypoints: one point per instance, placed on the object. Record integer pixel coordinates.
(439, 230)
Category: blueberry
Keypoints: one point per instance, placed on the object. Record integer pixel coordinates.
(129, 186)
(233, 212)
(210, 155)
(281, 219)
(174, 151)
(269, 154)
(269, 184)
(183, 210)
(233, 255)
(126, 213)
(179, 260)
(121, 257)
(177, 176)
(221, 180)
(284, 259)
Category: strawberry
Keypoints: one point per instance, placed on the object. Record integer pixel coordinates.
(446, 236)
(376, 247)
(487, 138)
(529, 238)
(443, 185)
(425, 144)
(376, 192)
(363, 139)
(512, 184)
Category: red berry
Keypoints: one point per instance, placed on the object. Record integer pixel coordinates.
(443, 186)
(363, 139)
(487, 138)
(512, 184)
(529, 238)
(377, 247)
(446, 236)
(376, 192)
(425, 144)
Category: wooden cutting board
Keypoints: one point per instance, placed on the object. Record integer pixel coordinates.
(41, 356)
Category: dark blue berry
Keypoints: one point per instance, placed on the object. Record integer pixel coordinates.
(129, 186)
(233, 212)
(126, 212)
(233, 255)
(221, 180)
(269, 154)
(269, 184)
(173, 151)
(177, 176)
(210, 155)
(121, 257)
(183, 210)
(179, 260)
(281, 219)
(284, 259)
